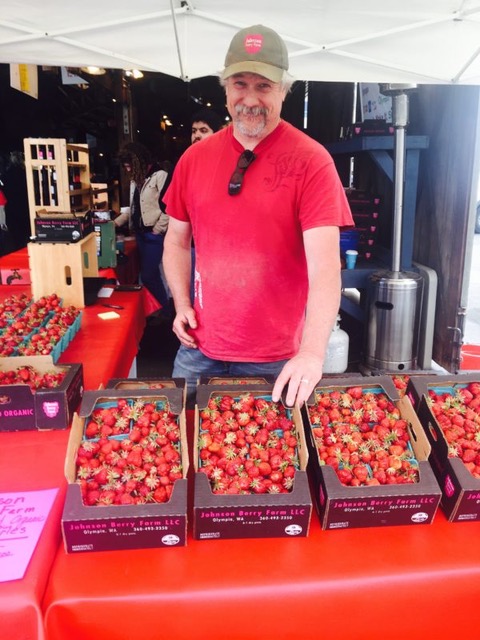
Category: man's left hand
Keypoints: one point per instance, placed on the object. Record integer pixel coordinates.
(301, 374)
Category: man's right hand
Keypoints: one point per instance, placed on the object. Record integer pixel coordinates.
(184, 322)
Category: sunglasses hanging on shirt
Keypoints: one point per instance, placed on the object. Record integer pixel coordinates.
(236, 181)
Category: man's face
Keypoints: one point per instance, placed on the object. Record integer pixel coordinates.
(254, 104)
(200, 130)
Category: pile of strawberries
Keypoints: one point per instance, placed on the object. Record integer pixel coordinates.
(361, 434)
(33, 328)
(44, 340)
(401, 382)
(458, 415)
(131, 454)
(11, 307)
(247, 445)
(34, 378)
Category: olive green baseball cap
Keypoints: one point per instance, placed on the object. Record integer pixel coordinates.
(257, 49)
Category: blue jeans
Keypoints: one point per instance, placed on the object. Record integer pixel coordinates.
(192, 363)
(150, 249)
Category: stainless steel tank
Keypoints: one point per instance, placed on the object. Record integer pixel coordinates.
(394, 308)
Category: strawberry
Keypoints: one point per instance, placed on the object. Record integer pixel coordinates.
(362, 428)
(458, 416)
(125, 472)
(355, 392)
(255, 441)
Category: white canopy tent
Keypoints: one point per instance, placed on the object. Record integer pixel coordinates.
(415, 41)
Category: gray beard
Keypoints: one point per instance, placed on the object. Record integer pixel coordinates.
(250, 130)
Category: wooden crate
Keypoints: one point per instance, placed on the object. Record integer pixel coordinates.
(58, 177)
(60, 268)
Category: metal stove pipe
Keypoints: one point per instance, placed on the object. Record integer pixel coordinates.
(395, 296)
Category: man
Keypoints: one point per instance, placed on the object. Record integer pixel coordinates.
(204, 123)
(264, 204)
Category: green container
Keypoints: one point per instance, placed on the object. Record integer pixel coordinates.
(106, 244)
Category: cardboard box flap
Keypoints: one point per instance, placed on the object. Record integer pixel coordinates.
(41, 362)
(74, 440)
(418, 437)
(385, 383)
(205, 391)
(419, 386)
(152, 382)
(236, 380)
(173, 396)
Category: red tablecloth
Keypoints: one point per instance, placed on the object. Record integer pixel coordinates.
(396, 582)
(108, 347)
(32, 460)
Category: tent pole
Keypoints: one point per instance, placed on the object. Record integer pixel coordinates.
(179, 54)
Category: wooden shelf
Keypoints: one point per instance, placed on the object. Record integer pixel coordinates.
(58, 176)
(58, 182)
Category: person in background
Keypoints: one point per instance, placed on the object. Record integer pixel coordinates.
(4, 240)
(146, 215)
(17, 212)
(264, 203)
(205, 123)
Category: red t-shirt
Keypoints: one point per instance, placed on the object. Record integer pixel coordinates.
(251, 276)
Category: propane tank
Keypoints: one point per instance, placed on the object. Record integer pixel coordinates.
(336, 356)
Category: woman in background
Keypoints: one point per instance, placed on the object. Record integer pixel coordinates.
(145, 216)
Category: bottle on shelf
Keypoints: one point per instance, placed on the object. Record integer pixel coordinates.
(36, 187)
(44, 186)
(53, 187)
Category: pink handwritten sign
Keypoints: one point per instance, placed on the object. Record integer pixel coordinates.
(22, 518)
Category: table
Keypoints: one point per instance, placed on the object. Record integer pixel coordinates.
(108, 347)
(410, 581)
(34, 460)
(413, 581)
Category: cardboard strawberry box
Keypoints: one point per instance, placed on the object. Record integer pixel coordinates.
(23, 407)
(233, 382)
(146, 383)
(127, 473)
(335, 454)
(450, 446)
(222, 515)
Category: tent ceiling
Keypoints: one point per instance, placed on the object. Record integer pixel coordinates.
(419, 41)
